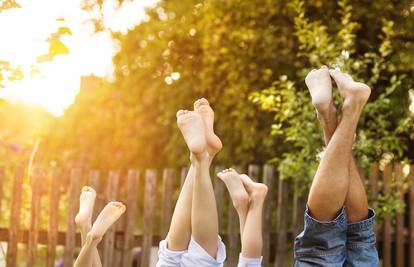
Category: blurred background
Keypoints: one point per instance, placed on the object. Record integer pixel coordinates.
(96, 84)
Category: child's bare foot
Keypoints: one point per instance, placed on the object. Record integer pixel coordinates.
(108, 216)
(257, 191)
(236, 189)
(192, 127)
(202, 107)
(320, 87)
(86, 204)
(355, 94)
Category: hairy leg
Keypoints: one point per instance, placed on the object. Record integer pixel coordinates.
(204, 218)
(252, 238)
(331, 183)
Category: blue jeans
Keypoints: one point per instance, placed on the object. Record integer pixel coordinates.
(337, 243)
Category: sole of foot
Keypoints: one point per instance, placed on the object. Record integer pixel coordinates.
(234, 184)
(256, 191)
(320, 87)
(354, 93)
(108, 216)
(202, 107)
(86, 204)
(192, 127)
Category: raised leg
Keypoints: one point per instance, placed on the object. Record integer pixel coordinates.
(84, 219)
(331, 183)
(238, 194)
(179, 234)
(204, 218)
(252, 239)
(109, 215)
(319, 82)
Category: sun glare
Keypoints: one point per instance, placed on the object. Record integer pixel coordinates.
(26, 30)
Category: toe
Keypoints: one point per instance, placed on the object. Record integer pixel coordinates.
(179, 113)
(200, 102)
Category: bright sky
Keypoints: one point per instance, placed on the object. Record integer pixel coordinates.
(24, 32)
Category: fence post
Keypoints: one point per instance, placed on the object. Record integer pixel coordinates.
(167, 200)
(131, 213)
(282, 199)
(411, 214)
(2, 176)
(269, 180)
(253, 172)
(53, 217)
(150, 182)
(109, 238)
(73, 204)
(15, 217)
(34, 215)
(219, 195)
(386, 246)
(400, 218)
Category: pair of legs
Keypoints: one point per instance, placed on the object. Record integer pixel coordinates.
(248, 198)
(328, 238)
(91, 235)
(194, 224)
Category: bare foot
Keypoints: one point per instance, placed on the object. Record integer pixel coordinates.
(108, 216)
(236, 189)
(355, 94)
(87, 201)
(320, 87)
(192, 127)
(202, 107)
(257, 191)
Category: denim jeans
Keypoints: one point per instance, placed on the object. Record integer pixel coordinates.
(337, 243)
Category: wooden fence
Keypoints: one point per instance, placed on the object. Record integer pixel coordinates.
(150, 196)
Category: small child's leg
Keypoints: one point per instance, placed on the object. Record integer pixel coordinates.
(204, 219)
(238, 194)
(109, 215)
(84, 218)
(252, 239)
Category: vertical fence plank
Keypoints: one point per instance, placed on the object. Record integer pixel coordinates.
(373, 180)
(15, 217)
(35, 180)
(269, 180)
(183, 176)
(400, 218)
(253, 172)
(53, 218)
(411, 215)
(131, 213)
(72, 206)
(150, 182)
(2, 177)
(386, 246)
(219, 194)
(109, 238)
(167, 200)
(282, 200)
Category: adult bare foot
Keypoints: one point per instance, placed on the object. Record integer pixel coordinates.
(87, 201)
(238, 193)
(108, 216)
(320, 87)
(192, 127)
(257, 191)
(202, 107)
(355, 94)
